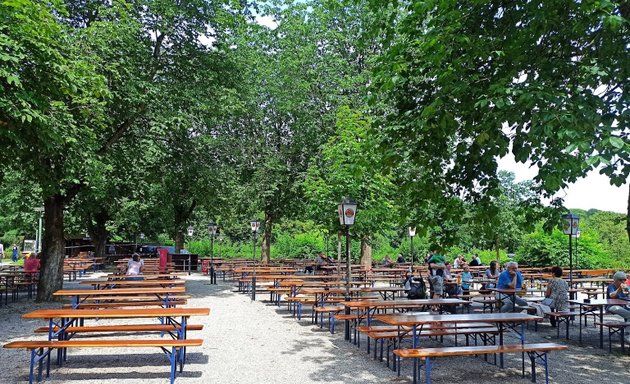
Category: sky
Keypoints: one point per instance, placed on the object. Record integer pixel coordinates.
(593, 191)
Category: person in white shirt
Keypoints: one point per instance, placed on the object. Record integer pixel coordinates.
(135, 267)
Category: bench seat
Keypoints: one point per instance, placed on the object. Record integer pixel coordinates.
(125, 328)
(535, 351)
(41, 349)
(126, 304)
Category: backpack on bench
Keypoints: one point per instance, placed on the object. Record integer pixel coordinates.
(417, 289)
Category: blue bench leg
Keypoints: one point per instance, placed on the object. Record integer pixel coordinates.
(30, 375)
(428, 370)
(173, 358)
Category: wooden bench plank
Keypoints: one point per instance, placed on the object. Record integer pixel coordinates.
(477, 350)
(97, 343)
(125, 328)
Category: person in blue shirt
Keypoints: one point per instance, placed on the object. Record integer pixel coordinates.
(511, 278)
(619, 290)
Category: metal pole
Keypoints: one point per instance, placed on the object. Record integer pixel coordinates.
(213, 278)
(348, 276)
(39, 238)
(571, 264)
(412, 255)
(577, 265)
(254, 277)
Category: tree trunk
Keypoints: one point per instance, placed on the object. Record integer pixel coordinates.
(51, 273)
(266, 243)
(628, 213)
(179, 241)
(366, 254)
(99, 234)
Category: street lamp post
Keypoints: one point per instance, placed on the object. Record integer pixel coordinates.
(570, 227)
(255, 225)
(212, 230)
(191, 232)
(577, 236)
(347, 210)
(412, 234)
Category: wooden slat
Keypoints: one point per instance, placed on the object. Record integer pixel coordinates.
(478, 349)
(115, 313)
(119, 304)
(125, 328)
(97, 343)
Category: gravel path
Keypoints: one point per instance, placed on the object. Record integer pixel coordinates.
(256, 342)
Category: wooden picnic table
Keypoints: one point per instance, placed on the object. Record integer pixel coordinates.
(592, 306)
(108, 284)
(385, 292)
(59, 320)
(162, 293)
(366, 306)
(501, 320)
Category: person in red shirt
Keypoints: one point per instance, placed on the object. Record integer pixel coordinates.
(32, 265)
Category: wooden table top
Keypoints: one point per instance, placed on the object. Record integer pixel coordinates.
(464, 318)
(118, 291)
(601, 302)
(402, 303)
(116, 313)
(315, 291)
(382, 289)
(134, 282)
(113, 276)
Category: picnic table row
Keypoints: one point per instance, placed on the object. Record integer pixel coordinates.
(364, 314)
(111, 300)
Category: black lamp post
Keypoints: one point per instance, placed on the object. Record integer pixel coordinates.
(347, 210)
(577, 236)
(255, 224)
(191, 232)
(570, 227)
(212, 230)
(412, 234)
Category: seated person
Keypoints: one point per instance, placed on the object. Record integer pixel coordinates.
(401, 258)
(467, 279)
(511, 278)
(491, 273)
(619, 290)
(135, 267)
(387, 262)
(32, 265)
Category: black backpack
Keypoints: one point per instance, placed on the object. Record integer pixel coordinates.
(417, 289)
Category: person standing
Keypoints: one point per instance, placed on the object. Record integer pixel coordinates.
(436, 274)
(14, 253)
(1, 251)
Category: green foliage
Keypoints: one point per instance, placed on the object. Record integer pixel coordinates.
(465, 83)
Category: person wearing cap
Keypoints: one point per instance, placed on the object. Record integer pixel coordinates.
(619, 290)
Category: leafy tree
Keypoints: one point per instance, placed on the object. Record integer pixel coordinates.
(347, 167)
(468, 82)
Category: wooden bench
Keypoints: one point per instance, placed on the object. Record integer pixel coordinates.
(534, 351)
(393, 337)
(41, 350)
(125, 328)
(562, 317)
(619, 328)
(132, 303)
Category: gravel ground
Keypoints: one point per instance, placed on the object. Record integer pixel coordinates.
(256, 342)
